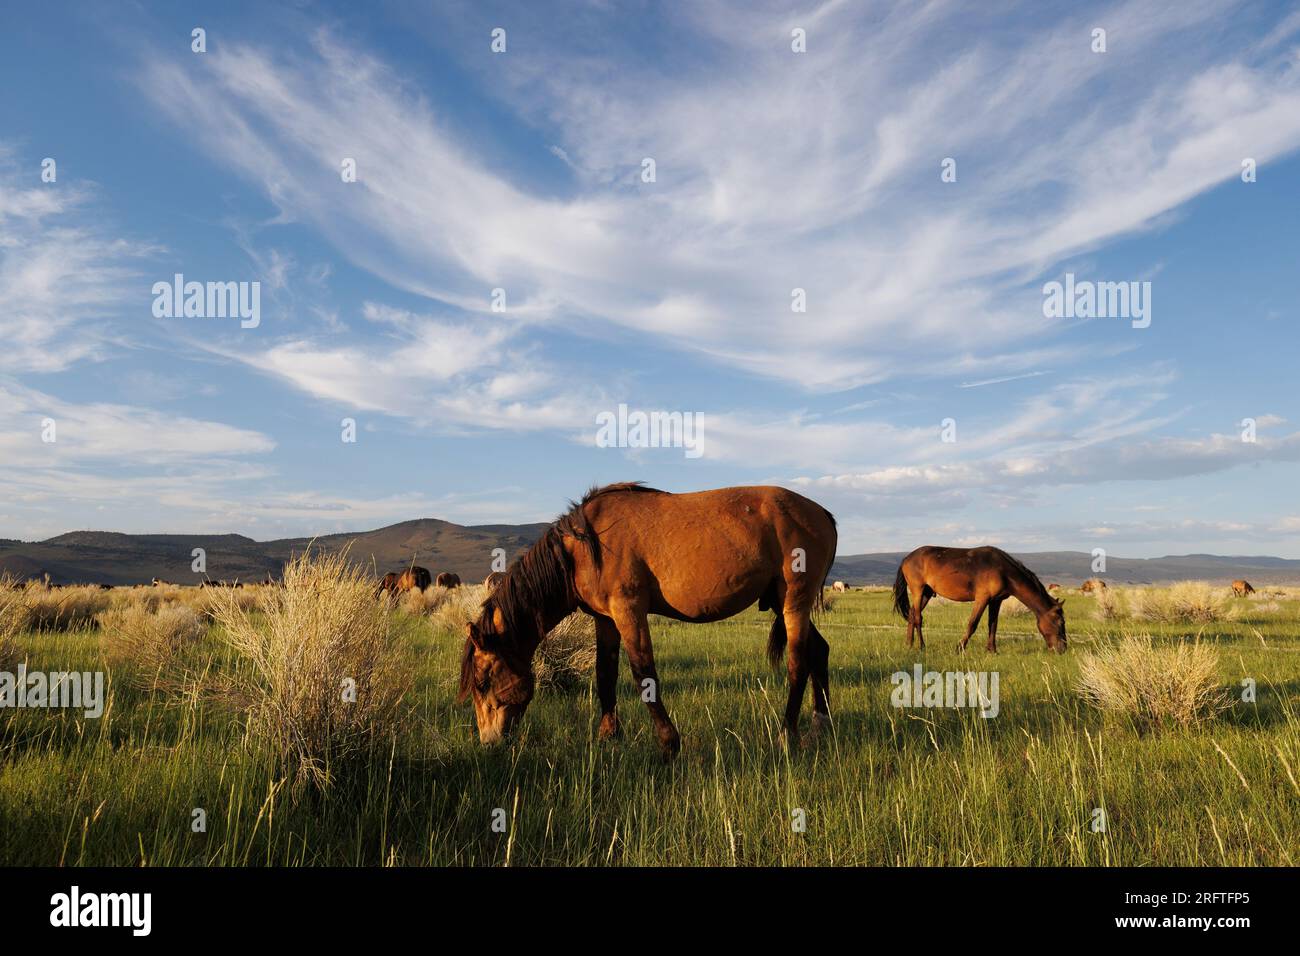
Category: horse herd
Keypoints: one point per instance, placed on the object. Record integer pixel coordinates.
(416, 578)
(625, 552)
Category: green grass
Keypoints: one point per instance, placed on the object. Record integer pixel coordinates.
(888, 786)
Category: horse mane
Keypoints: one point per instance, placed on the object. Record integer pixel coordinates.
(1034, 581)
(539, 585)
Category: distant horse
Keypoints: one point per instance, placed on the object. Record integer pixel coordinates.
(1092, 584)
(839, 586)
(625, 552)
(414, 578)
(1053, 586)
(1242, 587)
(159, 583)
(494, 579)
(448, 580)
(986, 576)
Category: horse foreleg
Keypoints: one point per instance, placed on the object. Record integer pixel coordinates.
(994, 608)
(607, 642)
(635, 631)
(974, 622)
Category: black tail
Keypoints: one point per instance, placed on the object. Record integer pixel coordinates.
(776, 641)
(901, 603)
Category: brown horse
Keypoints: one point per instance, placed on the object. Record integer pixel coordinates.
(987, 576)
(414, 578)
(1242, 587)
(625, 552)
(448, 580)
(1092, 584)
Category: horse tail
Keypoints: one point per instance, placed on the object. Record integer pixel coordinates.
(776, 641)
(901, 603)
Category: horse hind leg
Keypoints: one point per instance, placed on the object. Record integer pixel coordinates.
(819, 652)
(918, 609)
(798, 629)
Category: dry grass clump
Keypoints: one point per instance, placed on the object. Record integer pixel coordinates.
(149, 641)
(568, 655)
(322, 671)
(426, 601)
(1109, 605)
(459, 606)
(13, 621)
(1153, 685)
(1013, 607)
(62, 609)
(1187, 602)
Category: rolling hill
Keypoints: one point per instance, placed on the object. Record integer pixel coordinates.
(114, 558)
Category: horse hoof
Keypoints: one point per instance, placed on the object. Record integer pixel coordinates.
(669, 748)
(610, 729)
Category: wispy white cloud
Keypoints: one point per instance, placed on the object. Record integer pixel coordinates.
(61, 280)
(774, 171)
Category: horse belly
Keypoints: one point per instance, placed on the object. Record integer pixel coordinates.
(717, 581)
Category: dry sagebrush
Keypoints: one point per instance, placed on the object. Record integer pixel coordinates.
(1152, 684)
(322, 672)
(1187, 602)
(150, 642)
(13, 621)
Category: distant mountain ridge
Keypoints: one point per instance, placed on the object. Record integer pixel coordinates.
(112, 557)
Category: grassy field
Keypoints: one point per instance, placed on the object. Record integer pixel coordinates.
(888, 786)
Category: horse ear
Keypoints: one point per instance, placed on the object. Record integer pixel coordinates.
(1060, 602)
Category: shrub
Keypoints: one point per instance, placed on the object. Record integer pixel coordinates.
(149, 641)
(13, 621)
(1013, 607)
(1187, 602)
(1109, 605)
(1153, 685)
(62, 609)
(426, 601)
(568, 654)
(322, 672)
(459, 606)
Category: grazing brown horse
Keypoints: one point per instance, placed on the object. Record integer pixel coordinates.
(625, 552)
(414, 578)
(1092, 584)
(987, 576)
(1242, 587)
(493, 579)
(448, 580)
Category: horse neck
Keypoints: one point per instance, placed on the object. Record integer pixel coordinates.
(1028, 595)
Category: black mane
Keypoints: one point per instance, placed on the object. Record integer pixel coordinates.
(539, 586)
(1030, 576)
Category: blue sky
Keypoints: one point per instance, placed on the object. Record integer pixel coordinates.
(774, 170)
